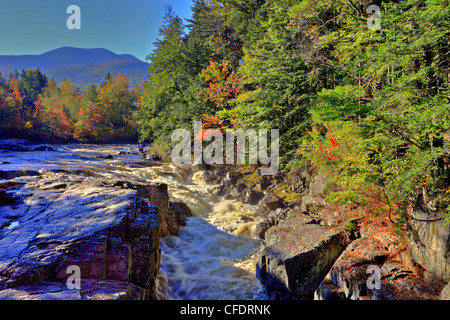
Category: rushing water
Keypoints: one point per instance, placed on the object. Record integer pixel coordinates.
(212, 258)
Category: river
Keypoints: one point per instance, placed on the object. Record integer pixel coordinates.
(211, 259)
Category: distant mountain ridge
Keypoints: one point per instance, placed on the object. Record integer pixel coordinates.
(94, 73)
(81, 66)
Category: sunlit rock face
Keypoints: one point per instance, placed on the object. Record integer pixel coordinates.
(429, 243)
(109, 231)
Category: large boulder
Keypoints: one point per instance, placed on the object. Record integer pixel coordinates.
(297, 257)
(253, 196)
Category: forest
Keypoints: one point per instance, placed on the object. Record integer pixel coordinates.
(368, 106)
(36, 108)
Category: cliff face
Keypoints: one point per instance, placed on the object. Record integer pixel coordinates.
(110, 229)
(429, 244)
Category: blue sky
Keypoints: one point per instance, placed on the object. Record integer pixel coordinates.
(122, 26)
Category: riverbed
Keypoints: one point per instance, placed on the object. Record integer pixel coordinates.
(212, 258)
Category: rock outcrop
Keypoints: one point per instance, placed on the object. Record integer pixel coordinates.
(306, 252)
(110, 229)
(349, 277)
(429, 244)
(297, 256)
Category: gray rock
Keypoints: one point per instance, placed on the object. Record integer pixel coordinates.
(271, 201)
(253, 196)
(297, 258)
(429, 243)
(90, 290)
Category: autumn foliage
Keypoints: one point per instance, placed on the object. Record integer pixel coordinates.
(61, 112)
(223, 83)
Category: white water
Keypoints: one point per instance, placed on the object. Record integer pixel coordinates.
(212, 258)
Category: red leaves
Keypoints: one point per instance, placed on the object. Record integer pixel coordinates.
(328, 155)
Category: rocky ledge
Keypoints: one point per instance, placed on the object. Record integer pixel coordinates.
(315, 250)
(108, 228)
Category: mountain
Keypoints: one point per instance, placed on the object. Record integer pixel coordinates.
(94, 73)
(82, 66)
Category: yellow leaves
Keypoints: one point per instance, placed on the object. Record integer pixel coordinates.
(224, 84)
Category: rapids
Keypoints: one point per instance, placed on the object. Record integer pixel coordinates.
(212, 258)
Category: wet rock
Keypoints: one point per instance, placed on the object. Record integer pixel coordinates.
(228, 186)
(42, 148)
(90, 290)
(208, 177)
(153, 157)
(106, 157)
(5, 197)
(11, 174)
(272, 202)
(253, 196)
(55, 185)
(202, 167)
(297, 258)
(14, 145)
(181, 211)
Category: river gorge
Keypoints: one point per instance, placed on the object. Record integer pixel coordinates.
(210, 258)
(140, 229)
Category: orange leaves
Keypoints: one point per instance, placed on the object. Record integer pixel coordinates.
(233, 123)
(56, 120)
(213, 122)
(15, 94)
(209, 122)
(223, 83)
